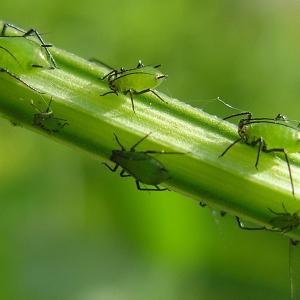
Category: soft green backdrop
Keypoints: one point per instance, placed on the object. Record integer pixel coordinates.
(69, 229)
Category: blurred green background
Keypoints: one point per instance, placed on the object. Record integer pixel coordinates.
(69, 229)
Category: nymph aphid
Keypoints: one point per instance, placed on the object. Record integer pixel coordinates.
(136, 81)
(46, 120)
(25, 34)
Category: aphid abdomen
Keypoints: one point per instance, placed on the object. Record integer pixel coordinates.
(274, 135)
(135, 81)
(141, 166)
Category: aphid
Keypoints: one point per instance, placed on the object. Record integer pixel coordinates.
(136, 81)
(282, 222)
(46, 119)
(36, 58)
(25, 34)
(140, 165)
(271, 135)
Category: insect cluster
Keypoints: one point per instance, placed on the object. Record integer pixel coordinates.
(267, 134)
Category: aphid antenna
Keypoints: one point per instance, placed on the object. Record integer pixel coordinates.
(100, 62)
(227, 104)
(119, 143)
(246, 113)
(140, 141)
(48, 110)
(278, 213)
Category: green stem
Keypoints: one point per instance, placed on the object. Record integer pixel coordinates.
(230, 183)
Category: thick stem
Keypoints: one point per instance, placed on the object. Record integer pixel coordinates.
(230, 183)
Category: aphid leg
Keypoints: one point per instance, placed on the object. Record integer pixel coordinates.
(132, 149)
(3, 70)
(288, 164)
(231, 145)
(114, 169)
(131, 98)
(6, 25)
(153, 92)
(122, 174)
(43, 45)
(242, 226)
(202, 204)
(119, 143)
(279, 213)
(260, 143)
(247, 113)
(130, 92)
(161, 189)
(157, 188)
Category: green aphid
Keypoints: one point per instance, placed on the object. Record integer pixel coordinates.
(38, 59)
(46, 119)
(140, 165)
(139, 80)
(270, 135)
(282, 222)
(34, 55)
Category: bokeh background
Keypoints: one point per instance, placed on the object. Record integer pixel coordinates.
(69, 229)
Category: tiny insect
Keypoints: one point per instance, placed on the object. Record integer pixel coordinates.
(35, 57)
(136, 81)
(25, 34)
(140, 165)
(282, 222)
(46, 119)
(271, 135)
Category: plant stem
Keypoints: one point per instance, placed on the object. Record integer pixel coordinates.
(230, 183)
